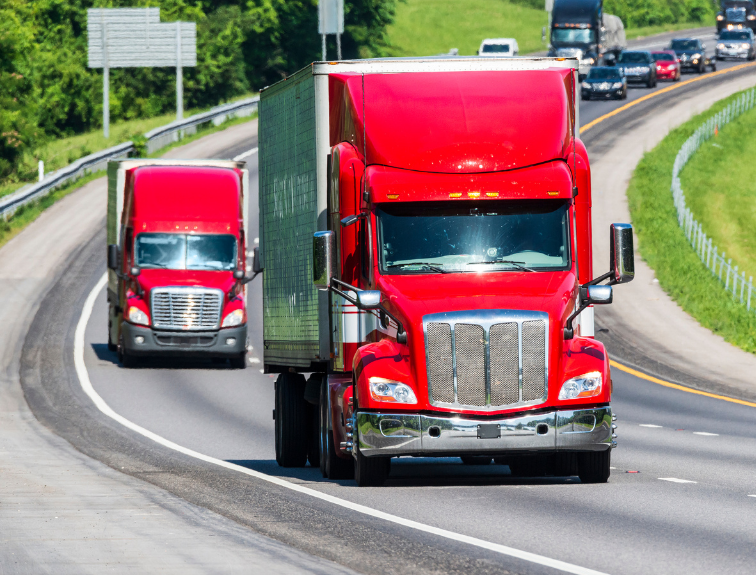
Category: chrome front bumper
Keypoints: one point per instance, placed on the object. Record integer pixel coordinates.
(390, 434)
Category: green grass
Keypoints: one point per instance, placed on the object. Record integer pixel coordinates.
(720, 189)
(61, 152)
(427, 27)
(662, 244)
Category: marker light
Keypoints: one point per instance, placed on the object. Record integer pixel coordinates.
(586, 385)
(392, 196)
(473, 194)
(233, 319)
(455, 195)
(137, 316)
(492, 194)
(391, 391)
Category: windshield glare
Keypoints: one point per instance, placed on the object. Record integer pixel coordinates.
(500, 48)
(685, 44)
(473, 236)
(604, 74)
(572, 36)
(633, 58)
(186, 252)
(662, 57)
(734, 36)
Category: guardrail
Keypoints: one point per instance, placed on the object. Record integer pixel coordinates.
(156, 139)
(733, 279)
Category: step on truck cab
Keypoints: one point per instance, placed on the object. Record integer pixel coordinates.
(442, 210)
(176, 234)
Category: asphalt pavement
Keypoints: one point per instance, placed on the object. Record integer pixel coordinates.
(679, 499)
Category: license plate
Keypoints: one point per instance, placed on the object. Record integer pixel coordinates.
(489, 431)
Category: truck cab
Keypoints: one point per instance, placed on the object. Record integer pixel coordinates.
(498, 47)
(454, 269)
(736, 15)
(176, 258)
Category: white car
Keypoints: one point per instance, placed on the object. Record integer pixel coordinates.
(498, 47)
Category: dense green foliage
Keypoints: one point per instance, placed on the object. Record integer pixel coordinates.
(663, 245)
(47, 91)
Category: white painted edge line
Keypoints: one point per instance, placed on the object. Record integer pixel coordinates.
(706, 433)
(752, 496)
(246, 154)
(86, 385)
(648, 425)
(676, 480)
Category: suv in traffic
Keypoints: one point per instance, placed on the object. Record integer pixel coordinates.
(638, 66)
(736, 44)
(692, 54)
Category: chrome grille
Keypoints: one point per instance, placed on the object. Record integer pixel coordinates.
(189, 309)
(470, 353)
(441, 369)
(487, 359)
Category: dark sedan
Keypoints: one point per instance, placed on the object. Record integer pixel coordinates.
(604, 82)
(638, 66)
(692, 54)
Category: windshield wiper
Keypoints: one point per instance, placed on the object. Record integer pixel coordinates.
(516, 264)
(427, 265)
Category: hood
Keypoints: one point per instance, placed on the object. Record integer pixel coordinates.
(150, 279)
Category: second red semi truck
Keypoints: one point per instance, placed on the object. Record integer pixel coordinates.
(176, 259)
(427, 251)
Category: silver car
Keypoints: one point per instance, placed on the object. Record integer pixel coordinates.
(739, 44)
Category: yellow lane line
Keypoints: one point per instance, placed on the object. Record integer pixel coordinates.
(676, 386)
(590, 125)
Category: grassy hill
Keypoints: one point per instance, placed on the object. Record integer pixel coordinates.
(425, 27)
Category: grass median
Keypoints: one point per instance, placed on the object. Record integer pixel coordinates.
(662, 244)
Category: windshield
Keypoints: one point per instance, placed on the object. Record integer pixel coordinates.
(572, 36)
(604, 73)
(431, 237)
(685, 44)
(734, 36)
(499, 48)
(661, 56)
(633, 58)
(186, 252)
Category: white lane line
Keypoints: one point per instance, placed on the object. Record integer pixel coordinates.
(676, 480)
(752, 496)
(86, 385)
(648, 425)
(246, 154)
(706, 433)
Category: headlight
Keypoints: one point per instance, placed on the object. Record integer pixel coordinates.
(720, 17)
(136, 315)
(234, 318)
(720, 46)
(586, 85)
(751, 17)
(587, 385)
(696, 56)
(617, 85)
(391, 391)
(744, 45)
(590, 61)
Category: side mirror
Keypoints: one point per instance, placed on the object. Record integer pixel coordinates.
(703, 46)
(597, 295)
(112, 257)
(369, 299)
(257, 266)
(622, 262)
(135, 271)
(323, 264)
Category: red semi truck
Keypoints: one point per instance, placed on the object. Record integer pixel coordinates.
(176, 259)
(426, 239)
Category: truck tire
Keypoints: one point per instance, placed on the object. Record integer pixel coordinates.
(370, 471)
(111, 346)
(239, 362)
(292, 432)
(127, 361)
(475, 460)
(532, 466)
(593, 467)
(331, 465)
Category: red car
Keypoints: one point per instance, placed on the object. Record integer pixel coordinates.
(667, 65)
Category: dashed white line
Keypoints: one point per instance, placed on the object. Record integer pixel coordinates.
(86, 385)
(676, 480)
(648, 425)
(752, 496)
(706, 433)
(246, 154)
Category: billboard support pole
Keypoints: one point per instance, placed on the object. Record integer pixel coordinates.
(179, 76)
(323, 44)
(338, 46)
(105, 81)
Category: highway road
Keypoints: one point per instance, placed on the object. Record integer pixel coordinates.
(680, 499)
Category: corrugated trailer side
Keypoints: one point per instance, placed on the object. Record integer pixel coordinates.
(293, 157)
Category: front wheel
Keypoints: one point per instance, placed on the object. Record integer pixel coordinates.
(371, 471)
(331, 465)
(475, 460)
(126, 360)
(593, 467)
(292, 432)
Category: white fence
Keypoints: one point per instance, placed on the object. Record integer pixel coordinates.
(718, 263)
(156, 139)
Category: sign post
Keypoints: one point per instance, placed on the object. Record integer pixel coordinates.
(135, 38)
(331, 21)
